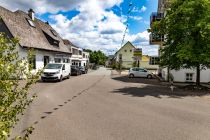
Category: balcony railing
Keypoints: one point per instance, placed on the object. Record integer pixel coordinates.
(156, 17)
(156, 39)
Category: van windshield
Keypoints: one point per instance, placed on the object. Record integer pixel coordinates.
(53, 66)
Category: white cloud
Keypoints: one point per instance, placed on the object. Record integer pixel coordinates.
(94, 27)
(139, 10)
(42, 6)
(143, 8)
(137, 18)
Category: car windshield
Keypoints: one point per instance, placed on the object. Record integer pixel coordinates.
(53, 66)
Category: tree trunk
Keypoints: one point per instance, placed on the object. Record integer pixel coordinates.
(198, 76)
(168, 76)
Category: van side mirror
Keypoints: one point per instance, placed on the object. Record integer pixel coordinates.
(63, 68)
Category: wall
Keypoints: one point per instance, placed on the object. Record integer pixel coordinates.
(145, 63)
(180, 75)
(127, 57)
(40, 57)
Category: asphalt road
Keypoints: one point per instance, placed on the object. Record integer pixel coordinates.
(101, 106)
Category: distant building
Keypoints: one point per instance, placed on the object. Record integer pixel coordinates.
(109, 61)
(150, 63)
(125, 56)
(79, 57)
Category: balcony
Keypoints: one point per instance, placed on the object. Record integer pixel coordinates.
(156, 39)
(156, 17)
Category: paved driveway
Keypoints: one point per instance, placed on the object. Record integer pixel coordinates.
(98, 106)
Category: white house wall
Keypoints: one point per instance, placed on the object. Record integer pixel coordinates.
(180, 75)
(40, 57)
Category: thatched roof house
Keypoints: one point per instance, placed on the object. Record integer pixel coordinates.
(32, 32)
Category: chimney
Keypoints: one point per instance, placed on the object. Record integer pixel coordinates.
(31, 14)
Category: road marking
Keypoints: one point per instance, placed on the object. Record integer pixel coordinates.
(69, 100)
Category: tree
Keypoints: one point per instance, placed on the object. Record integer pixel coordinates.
(98, 57)
(14, 97)
(187, 29)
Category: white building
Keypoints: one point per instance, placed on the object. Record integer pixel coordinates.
(36, 34)
(79, 57)
(182, 75)
(85, 58)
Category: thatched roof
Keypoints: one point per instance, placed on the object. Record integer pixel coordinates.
(69, 43)
(32, 37)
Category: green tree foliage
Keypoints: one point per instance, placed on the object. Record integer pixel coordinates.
(14, 97)
(97, 57)
(187, 29)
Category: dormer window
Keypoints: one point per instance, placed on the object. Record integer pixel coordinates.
(31, 23)
(51, 40)
(56, 42)
(54, 32)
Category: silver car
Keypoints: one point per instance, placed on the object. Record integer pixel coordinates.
(139, 72)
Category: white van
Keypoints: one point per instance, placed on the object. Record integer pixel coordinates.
(56, 71)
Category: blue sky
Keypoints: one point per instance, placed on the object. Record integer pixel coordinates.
(95, 24)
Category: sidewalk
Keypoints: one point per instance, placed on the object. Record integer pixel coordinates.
(123, 72)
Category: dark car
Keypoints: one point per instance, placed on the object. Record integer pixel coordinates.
(83, 69)
(75, 70)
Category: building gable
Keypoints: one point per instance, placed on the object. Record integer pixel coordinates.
(128, 46)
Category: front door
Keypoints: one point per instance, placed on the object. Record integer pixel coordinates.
(46, 60)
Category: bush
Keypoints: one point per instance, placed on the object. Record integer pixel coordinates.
(13, 98)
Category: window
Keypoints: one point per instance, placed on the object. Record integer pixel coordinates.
(141, 70)
(120, 56)
(125, 50)
(154, 61)
(46, 60)
(135, 69)
(63, 68)
(30, 22)
(51, 40)
(57, 60)
(80, 52)
(32, 62)
(54, 32)
(189, 77)
(66, 60)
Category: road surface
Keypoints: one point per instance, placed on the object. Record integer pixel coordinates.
(101, 106)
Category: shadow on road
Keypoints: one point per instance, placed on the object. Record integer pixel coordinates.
(151, 87)
(136, 80)
(157, 91)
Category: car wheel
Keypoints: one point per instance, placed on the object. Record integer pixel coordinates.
(61, 78)
(68, 76)
(149, 76)
(131, 76)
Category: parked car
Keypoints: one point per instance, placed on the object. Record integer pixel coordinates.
(83, 69)
(75, 70)
(139, 72)
(56, 71)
